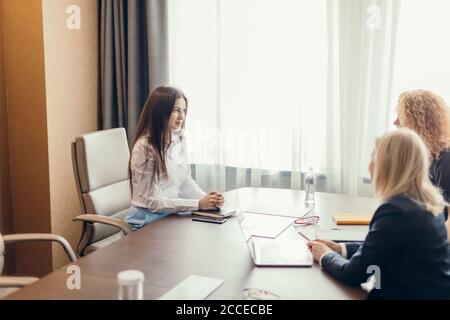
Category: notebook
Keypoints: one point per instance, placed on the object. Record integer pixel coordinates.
(209, 219)
(289, 249)
(352, 218)
(218, 213)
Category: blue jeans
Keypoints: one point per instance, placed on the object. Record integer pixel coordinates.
(138, 217)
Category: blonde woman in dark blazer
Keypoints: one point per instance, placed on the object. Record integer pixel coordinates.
(407, 238)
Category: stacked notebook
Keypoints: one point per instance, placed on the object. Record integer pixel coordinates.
(213, 216)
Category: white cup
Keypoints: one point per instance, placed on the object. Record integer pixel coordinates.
(131, 285)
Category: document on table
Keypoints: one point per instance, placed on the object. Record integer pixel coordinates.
(267, 226)
(192, 288)
(342, 234)
(334, 234)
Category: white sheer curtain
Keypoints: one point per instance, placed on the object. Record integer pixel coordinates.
(256, 79)
(362, 37)
(276, 86)
(422, 52)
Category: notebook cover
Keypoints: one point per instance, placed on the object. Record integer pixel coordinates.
(352, 218)
(209, 219)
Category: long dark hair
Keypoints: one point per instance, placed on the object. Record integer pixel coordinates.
(154, 121)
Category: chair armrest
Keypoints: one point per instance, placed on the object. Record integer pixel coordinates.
(91, 218)
(21, 237)
(16, 282)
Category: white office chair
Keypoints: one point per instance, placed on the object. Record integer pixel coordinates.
(9, 284)
(100, 165)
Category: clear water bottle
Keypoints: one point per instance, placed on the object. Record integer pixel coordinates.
(310, 186)
(131, 285)
(238, 208)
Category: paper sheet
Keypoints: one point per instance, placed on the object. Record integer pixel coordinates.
(262, 225)
(192, 288)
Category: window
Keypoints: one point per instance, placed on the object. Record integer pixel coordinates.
(422, 58)
(281, 85)
(255, 75)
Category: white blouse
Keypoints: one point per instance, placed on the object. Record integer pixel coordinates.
(177, 193)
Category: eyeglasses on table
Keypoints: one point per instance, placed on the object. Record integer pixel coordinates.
(307, 221)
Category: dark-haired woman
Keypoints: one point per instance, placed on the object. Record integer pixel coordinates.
(159, 170)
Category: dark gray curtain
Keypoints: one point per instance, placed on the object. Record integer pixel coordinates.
(133, 58)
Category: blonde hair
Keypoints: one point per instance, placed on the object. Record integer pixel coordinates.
(401, 162)
(427, 114)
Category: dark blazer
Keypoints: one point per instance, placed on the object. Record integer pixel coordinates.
(440, 175)
(410, 247)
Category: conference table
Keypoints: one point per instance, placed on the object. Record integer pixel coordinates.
(171, 249)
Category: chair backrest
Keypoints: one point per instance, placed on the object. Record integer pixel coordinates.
(100, 164)
(2, 253)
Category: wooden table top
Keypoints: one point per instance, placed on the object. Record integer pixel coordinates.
(171, 249)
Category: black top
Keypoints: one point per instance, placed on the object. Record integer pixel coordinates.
(440, 174)
(410, 247)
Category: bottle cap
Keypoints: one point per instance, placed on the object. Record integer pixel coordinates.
(130, 277)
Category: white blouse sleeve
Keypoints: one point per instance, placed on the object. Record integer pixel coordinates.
(147, 195)
(189, 189)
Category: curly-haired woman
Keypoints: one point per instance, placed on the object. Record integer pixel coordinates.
(427, 114)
